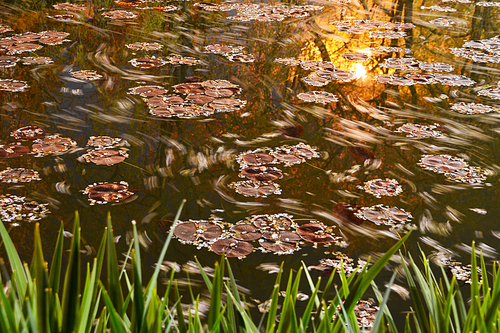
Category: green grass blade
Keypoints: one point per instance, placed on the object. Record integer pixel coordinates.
(383, 305)
(113, 270)
(15, 262)
(55, 265)
(271, 317)
(180, 316)
(71, 289)
(216, 296)
(40, 274)
(117, 325)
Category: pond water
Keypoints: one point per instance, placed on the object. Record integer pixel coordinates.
(365, 118)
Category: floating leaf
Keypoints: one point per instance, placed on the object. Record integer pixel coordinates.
(442, 163)
(493, 93)
(382, 215)
(406, 64)
(246, 232)
(119, 15)
(197, 232)
(356, 56)
(62, 17)
(420, 131)
(228, 104)
(144, 46)
(89, 75)
(283, 236)
(339, 262)
(274, 222)
(241, 57)
(28, 133)
(18, 175)
(316, 232)
(14, 208)
(180, 60)
(102, 193)
(8, 61)
(105, 142)
(435, 67)
(322, 97)
(223, 49)
(147, 62)
(454, 80)
(51, 144)
(261, 173)
(250, 188)
(232, 248)
(472, 108)
(37, 60)
(11, 151)
(105, 156)
(387, 34)
(13, 85)
(278, 247)
(380, 187)
(73, 7)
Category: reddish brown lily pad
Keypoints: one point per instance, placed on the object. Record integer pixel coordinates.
(217, 93)
(195, 231)
(283, 236)
(73, 7)
(119, 15)
(380, 187)
(246, 232)
(199, 99)
(86, 75)
(28, 133)
(380, 214)
(11, 151)
(256, 189)
(315, 233)
(37, 60)
(273, 222)
(13, 85)
(228, 104)
(241, 57)
(147, 62)
(255, 158)
(144, 46)
(8, 61)
(51, 144)
(278, 247)
(23, 47)
(18, 175)
(232, 248)
(442, 163)
(189, 88)
(322, 97)
(105, 156)
(103, 193)
(261, 173)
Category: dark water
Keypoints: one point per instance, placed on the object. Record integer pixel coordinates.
(171, 159)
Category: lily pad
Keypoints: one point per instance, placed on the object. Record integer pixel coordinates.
(232, 248)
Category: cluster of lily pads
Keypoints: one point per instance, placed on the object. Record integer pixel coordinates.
(260, 177)
(143, 5)
(412, 64)
(276, 233)
(377, 29)
(246, 12)
(202, 98)
(232, 53)
(419, 78)
(472, 108)
(14, 209)
(454, 168)
(102, 193)
(104, 150)
(490, 50)
(152, 62)
(323, 71)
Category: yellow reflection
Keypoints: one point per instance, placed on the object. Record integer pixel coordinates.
(360, 70)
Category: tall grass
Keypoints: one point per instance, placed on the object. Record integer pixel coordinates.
(37, 298)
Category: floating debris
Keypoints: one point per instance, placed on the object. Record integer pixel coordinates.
(395, 217)
(15, 150)
(14, 208)
(105, 156)
(144, 46)
(405, 64)
(470, 175)
(443, 22)
(288, 61)
(454, 80)
(197, 232)
(241, 57)
(435, 67)
(420, 131)
(250, 188)
(464, 273)
(180, 60)
(105, 142)
(260, 12)
(488, 4)
(8, 61)
(232, 248)
(475, 55)
(147, 62)
(72, 7)
(119, 15)
(356, 56)
(315, 80)
(18, 175)
(62, 17)
(322, 97)
(224, 50)
(442, 163)
(317, 232)
(380, 187)
(4, 29)
(387, 34)
(182, 111)
(147, 91)
(37, 60)
(472, 108)
(89, 75)
(261, 173)
(28, 133)
(365, 313)
(493, 93)
(51, 144)
(13, 85)
(294, 154)
(337, 263)
(102, 193)
(439, 9)
(228, 104)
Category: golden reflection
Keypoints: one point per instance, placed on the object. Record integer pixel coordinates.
(360, 71)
